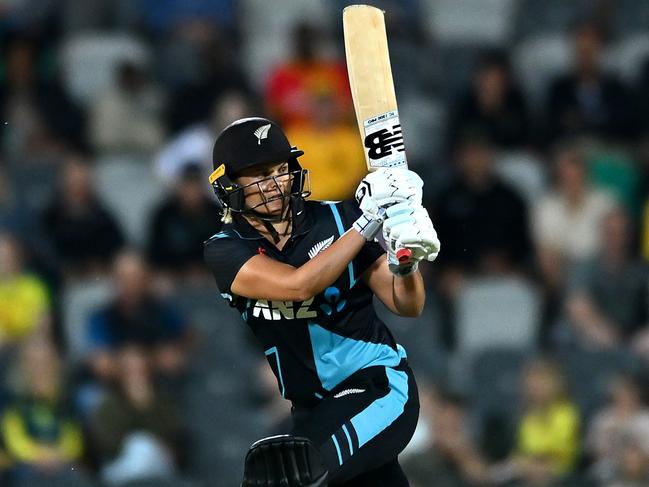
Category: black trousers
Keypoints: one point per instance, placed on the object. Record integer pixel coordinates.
(362, 425)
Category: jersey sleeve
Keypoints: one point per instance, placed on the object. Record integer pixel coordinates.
(225, 256)
(371, 250)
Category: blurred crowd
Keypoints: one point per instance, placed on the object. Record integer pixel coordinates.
(528, 121)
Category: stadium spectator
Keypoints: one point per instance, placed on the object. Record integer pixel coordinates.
(293, 84)
(41, 121)
(39, 430)
(127, 117)
(24, 297)
(203, 66)
(194, 144)
(478, 202)
(84, 235)
(632, 469)
(136, 316)
(548, 436)
(625, 414)
(181, 224)
(24, 301)
(566, 224)
(493, 105)
(608, 294)
(446, 455)
(334, 155)
(588, 100)
(135, 429)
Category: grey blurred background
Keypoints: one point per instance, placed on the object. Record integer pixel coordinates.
(120, 364)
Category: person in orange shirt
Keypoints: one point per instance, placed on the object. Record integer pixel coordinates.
(291, 85)
(335, 155)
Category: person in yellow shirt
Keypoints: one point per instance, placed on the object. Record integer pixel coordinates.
(24, 301)
(38, 432)
(334, 154)
(547, 436)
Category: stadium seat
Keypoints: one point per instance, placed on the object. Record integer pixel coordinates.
(78, 301)
(470, 22)
(534, 17)
(267, 28)
(588, 373)
(627, 56)
(495, 379)
(89, 61)
(497, 313)
(537, 60)
(494, 393)
(524, 172)
(130, 189)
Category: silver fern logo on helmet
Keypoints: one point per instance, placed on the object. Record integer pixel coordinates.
(262, 133)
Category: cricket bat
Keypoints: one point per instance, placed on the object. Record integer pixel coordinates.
(372, 87)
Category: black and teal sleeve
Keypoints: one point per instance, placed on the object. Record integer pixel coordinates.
(225, 256)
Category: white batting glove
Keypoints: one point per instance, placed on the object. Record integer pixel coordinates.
(387, 186)
(409, 226)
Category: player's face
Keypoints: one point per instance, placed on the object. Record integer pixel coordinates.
(265, 187)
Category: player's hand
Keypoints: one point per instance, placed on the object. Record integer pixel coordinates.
(409, 226)
(388, 186)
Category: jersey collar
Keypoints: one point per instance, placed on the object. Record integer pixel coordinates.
(302, 223)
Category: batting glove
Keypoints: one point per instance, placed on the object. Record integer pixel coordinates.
(409, 226)
(388, 186)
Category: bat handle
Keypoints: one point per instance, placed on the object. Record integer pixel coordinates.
(403, 256)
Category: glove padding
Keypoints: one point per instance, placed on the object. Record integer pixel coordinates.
(387, 186)
(409, 226)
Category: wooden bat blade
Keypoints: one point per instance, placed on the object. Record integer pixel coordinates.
(370, 79)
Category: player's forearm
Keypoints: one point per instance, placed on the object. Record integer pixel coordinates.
(408, 294)
(264, 278)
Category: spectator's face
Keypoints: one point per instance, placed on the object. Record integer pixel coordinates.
(131, 277)
(10, 258)
(267, 187)
(191, 194)
(476, 163)
(76, 187)
(491, 85)
(626, 396)
(571, 173)
(541, 386)
(20, 60)
(587, 49)
(133, 365)
(228, 108)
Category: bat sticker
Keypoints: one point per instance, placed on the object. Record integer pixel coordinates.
(384, 141)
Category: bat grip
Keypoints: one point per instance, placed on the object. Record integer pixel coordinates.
(403, 256)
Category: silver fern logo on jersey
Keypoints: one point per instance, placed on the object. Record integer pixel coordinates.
(347, 392)
(320, 246)
(262, 133)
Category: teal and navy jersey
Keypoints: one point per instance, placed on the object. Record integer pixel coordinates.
(313, 345)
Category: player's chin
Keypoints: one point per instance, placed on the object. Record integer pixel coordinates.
(272, 207)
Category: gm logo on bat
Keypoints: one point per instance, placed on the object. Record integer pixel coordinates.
(382, 142)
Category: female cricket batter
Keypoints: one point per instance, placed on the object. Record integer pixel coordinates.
(303, 274)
